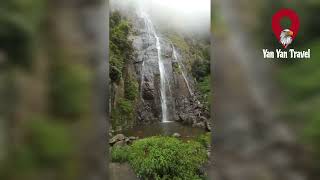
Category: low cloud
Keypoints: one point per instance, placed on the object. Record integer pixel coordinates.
(181, 15)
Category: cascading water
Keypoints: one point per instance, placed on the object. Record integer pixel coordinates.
(142, 79)
(181, 66)
(151, 30)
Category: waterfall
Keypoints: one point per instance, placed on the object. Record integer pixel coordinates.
(181, 66)
(151, 30)
(142, 79)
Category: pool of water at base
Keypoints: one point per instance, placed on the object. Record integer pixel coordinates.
(165, 129)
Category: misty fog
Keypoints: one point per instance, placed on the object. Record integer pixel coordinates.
(185, 16)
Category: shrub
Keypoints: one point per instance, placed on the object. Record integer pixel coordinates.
(167, 158)
(200, 69)
(131, 89)
(204, 139)
(121, 48)
(120, 154)
(204, 87)
(123, 114)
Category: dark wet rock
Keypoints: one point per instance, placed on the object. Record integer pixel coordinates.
(182, 103)
(148, 92)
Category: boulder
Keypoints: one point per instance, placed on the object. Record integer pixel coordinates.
(116, 138)
(199, 125)
(120, 143)
(208, 126)
(176, 135)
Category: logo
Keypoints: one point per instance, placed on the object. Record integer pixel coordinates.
(285, 36)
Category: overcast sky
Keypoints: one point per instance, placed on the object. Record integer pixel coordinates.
(188, 15)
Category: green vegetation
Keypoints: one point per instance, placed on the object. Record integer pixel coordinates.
(49, 141)
(47, 144)
(120, 46)
(122, 113)
(176, 68)
(204, 139)
(19, 23)
(69, 88)
(131, 88)
(204, 87)
(197, 61)
(200, 69)
(120, 154)
(303, 98)
(163, 158)
(121, 51)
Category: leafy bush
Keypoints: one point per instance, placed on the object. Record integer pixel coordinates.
(204, 87)
(120, 154)
(125, 107)
(204, 139)
(120, 46)
(200, 69)
(131, 88)
(167, 158)
(123, 114)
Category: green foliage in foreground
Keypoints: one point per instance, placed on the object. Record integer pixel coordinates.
(120, 154)
(163, 158)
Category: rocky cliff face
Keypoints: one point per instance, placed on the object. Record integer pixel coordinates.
(181, 96)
